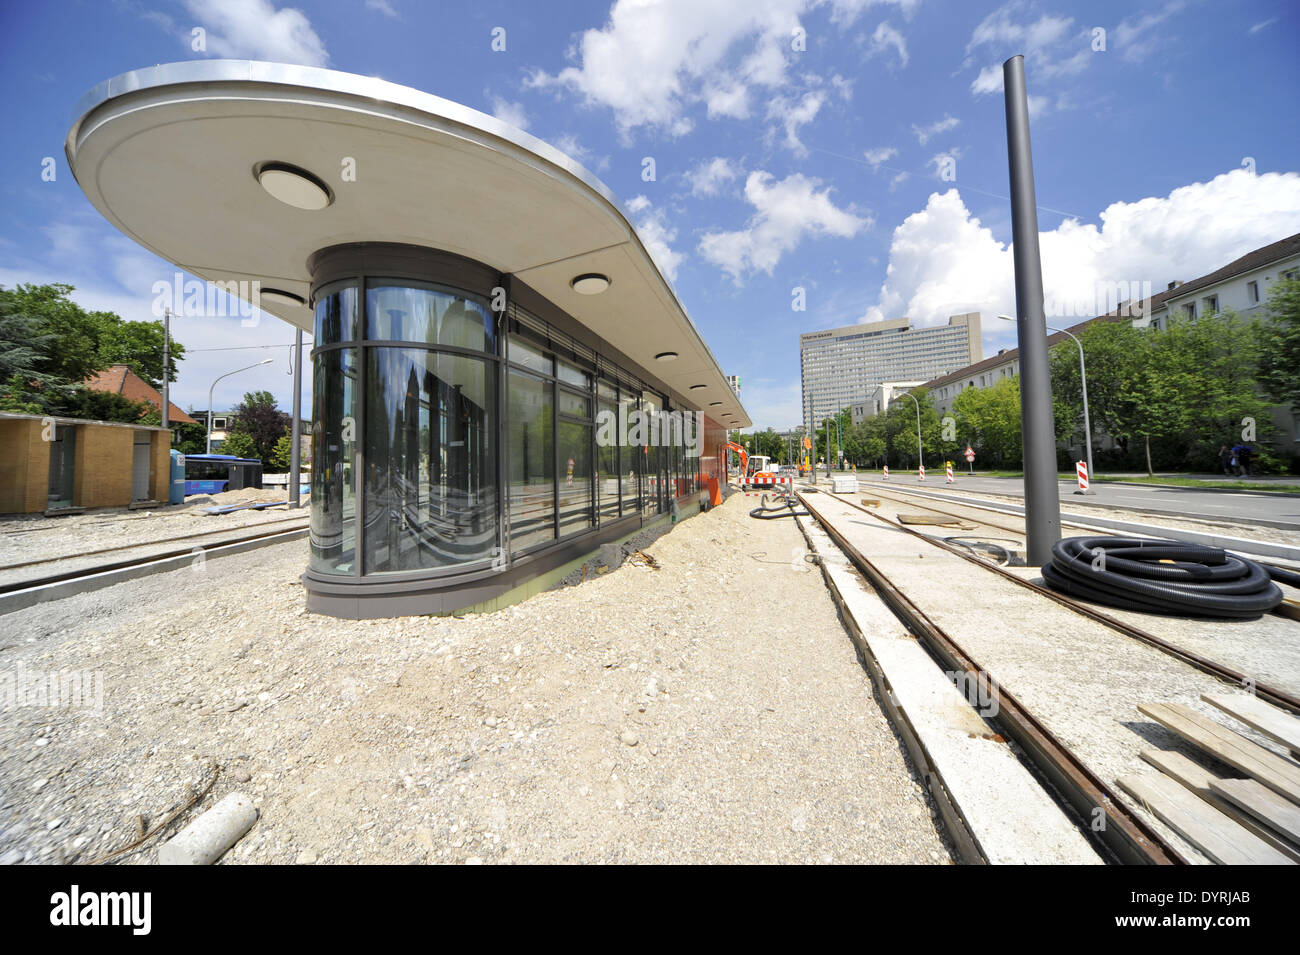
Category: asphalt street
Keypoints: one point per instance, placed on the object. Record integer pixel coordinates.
(1270, 510)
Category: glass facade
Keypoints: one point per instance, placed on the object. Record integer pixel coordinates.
(443, 442)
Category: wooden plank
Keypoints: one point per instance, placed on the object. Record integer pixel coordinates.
(1216, 835)
(1273, 722)
(1197, 778)
(1278, 774)
(1262, 803)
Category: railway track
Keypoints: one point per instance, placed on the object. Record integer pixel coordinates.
(19, 594)
(1126, 835)
(1275, 695)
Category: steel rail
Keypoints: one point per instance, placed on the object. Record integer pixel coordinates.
(1273, 694)
(1127, 837)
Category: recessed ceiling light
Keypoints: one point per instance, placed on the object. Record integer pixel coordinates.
(293, 186)
(275, 296)
(666, 356)
(593, 283)
(698, 387)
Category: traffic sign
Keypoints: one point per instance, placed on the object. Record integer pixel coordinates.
(970, 455)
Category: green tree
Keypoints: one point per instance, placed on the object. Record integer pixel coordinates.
(1280, 344)
(991, 418)
(259, 420)
(282, 453)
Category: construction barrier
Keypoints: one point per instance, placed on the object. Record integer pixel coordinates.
(886, 472)
(1081, 472)
(950, 474)
(922, 472)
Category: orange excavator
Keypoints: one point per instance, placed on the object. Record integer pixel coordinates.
(744, 459)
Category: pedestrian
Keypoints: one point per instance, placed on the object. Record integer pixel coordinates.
(1243, 458)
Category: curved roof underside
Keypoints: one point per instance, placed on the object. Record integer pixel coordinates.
(167, 153)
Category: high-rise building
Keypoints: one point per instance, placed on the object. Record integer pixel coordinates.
(734, 381)
(844, 366)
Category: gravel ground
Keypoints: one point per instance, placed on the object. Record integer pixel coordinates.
(649, 714)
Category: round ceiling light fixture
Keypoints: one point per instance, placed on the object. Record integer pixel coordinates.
(592, 283)
(666, 356)
(293, 186)
(275, 296)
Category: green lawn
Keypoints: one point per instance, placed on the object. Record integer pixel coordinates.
(1194, 482)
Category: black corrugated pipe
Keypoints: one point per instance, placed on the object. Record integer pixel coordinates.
(1168, 577)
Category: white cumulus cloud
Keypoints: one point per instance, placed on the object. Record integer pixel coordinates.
(943, 261)
(256, 30)
(785, 212)
(710, 175)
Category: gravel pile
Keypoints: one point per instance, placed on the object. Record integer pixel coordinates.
(707, 709)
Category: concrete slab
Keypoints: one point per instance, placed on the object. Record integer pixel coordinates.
(1010, 817)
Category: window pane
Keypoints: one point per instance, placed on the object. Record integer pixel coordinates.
(336, 316)
(572, 374)
(522, 353)
(532, 461)
(430, 460)
(575, 483)
(431, 314)
(607, 461)
(333, 453)
(577, 405)
(630, 460)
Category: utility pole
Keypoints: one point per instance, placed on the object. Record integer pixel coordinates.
(295, 454)
(166, 374)
(1042, 494)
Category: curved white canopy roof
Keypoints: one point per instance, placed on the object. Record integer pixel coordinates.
(167, 155)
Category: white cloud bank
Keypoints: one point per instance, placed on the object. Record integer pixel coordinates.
(942, 261)
(256, 30)
(785, 213)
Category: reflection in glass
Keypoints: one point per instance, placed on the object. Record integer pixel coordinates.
(430, 314)
(336, 314)
(430, 460)
(630, 459)
(333, 453)
(607, 501)
(575, 478)
(532, 460)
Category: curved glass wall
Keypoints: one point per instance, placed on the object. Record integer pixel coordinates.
(442, 443)
(404, 430)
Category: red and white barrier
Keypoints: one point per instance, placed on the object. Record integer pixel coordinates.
(949, 473)
(922, 472)
(886, 472)
(1081, 472)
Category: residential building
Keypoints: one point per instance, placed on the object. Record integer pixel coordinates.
(844, 366)
(121, 380)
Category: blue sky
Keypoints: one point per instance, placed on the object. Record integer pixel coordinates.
(852, 148)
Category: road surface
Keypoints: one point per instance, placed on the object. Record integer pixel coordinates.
(1247, 507)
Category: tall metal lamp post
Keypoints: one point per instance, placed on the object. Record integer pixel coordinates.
(920, 454)
(1083, 383)
(213, 388)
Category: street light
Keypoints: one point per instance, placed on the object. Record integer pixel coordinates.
(920, 455)
(1083, 383)
(214, 385)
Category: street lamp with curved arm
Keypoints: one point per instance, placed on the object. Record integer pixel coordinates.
(920, 454)
(213, 388)
(1083, 384)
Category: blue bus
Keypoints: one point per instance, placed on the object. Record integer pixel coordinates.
(214, 473)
